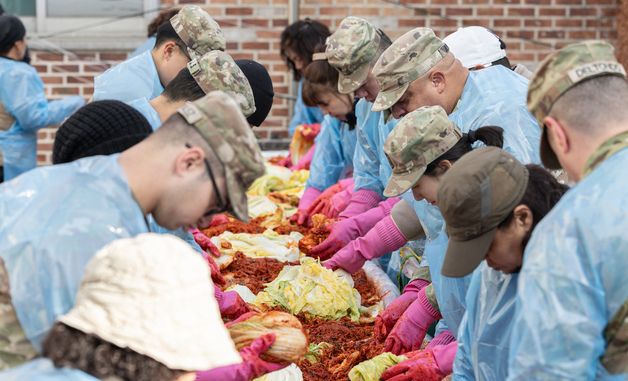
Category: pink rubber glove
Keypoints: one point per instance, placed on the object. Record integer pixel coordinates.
(361, 201)
(337, 204)
(230, 304)
(445, 356)
(386, 320)
(214, 270)
(323, 201)
(301, 216)
(383, 238)
(345, 231)
(205, 242)
(443, 338)
(421, 366)
(305, 161)
(252, 365)
(409, 331)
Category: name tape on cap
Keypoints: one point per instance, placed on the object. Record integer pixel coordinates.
(596, 68)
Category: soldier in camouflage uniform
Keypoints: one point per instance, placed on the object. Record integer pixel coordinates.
(215, 70)
(572, 300)
(198, 163)
(190, 34)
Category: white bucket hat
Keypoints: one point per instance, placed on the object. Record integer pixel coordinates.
(153, 294)
(475, 46)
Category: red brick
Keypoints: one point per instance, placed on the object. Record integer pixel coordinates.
(411, 23)
(552, 12)
(51, 80)
(582, 12)
(333, 10)
(551, 34)
(255, 22)
(481, 22)
(582, 34)
(520, 11)
(537, 23)
(490, 11)
(48, 57)
(255, 45)
(475, 1)
(455, 11)
(96, 68)
(81, 79)
(65, 68)
(443, 23)
(568, 23)
(280, 22)
(41, 68)
(507, 23)
(65, 91)
(240, 11)
(113, 56)
(232, 45)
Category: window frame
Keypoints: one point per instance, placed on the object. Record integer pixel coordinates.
(123, 34)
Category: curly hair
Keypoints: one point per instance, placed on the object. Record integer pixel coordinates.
(161, 18)
(69, 347)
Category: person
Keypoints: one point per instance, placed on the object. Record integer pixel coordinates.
(105, 335)
(262, 86)
(99, 128)
(206, 157)
(478, 47)
(215, 70)
(190, 34)
(422, 147)
(24, 100)
(151, 31)
(335, 144)
(418, 70)
(297, 45)
(573, 273)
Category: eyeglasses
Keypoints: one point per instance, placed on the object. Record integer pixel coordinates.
(222, 205)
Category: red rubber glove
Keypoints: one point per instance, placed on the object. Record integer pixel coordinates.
(301, 217)
(345, 231)
(383, 238)
(409, 331)
(361, 201)
(324, 200)
(252, 365)
(385, 321)
(230, 304)
(205, 242)
(421, 366)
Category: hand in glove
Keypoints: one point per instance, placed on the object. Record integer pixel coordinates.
(383, 238)
(421, 366)
(345, 231)
(230, 304)
(324, 201)
(301, 217)
(385, 321)
(361, 201)
(252, 365)
(409, 331)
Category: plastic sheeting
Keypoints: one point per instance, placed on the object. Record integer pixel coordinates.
(22, 94)
(54, 219)
(573, 280)
(333, 156)
(484, 334)
(132, 79)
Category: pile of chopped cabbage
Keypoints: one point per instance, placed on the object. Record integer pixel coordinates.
(372, 369)
(269, 244)
(312, 289)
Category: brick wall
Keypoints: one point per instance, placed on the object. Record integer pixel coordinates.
(530, 28)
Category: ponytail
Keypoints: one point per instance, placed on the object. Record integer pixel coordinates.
(489, 135)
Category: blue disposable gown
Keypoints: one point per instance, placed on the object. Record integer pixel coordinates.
(146, 46)
(496, 96)
(143, 105)
(333, 155)
(303, 114)
(42, 369)
(54, 219)
(22, 94)
(134, 78)
(573, 280)
(484, 334)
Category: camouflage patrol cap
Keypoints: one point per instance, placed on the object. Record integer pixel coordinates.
(420, 138)
(475, 195)
(350, 50)
(216, 70)
(219, 120)
(198, 30)
(410, 57)
(561, 71)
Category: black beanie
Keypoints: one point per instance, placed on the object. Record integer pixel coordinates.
(262, 87)
(99, 128)
(11, 31)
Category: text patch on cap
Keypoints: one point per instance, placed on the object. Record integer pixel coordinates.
(193, 67)
(190, 113)
(595, 68)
